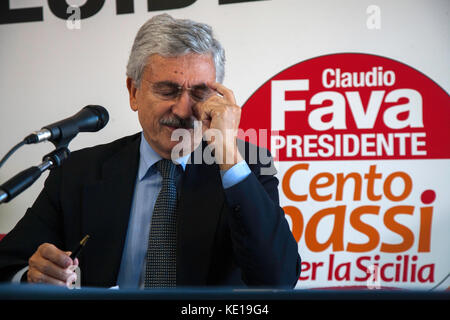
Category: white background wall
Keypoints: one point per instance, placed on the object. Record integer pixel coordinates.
(49, 72)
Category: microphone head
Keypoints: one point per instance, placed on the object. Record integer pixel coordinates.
(102, 114)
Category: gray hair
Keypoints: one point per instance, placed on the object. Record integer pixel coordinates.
(171, 37)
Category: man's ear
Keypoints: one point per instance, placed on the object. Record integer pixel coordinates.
(132, 91)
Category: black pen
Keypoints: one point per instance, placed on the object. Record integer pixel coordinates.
(80, 246)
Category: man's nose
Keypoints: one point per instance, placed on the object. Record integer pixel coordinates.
(183, 107)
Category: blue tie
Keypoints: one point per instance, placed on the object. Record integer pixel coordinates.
(161, 265)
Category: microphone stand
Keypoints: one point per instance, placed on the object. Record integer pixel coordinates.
(91, 118)
(21, 181)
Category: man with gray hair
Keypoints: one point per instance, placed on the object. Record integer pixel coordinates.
(156, 220)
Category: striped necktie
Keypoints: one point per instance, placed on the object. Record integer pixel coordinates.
(160, 269)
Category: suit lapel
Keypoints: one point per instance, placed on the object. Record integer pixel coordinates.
(106, 211)
(201, 201)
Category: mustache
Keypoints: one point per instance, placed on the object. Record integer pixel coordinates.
(178, 122)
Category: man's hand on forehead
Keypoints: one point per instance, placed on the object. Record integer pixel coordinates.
(220, 114)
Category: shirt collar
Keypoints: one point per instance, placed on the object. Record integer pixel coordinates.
(148, 157)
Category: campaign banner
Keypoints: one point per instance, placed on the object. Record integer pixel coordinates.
(361, 145)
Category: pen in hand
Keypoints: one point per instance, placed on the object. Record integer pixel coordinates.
(77, 251)
(75, 254)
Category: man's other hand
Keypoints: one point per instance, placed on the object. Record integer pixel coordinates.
(51, 265)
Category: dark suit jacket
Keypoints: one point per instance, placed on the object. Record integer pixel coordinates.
(232, 237)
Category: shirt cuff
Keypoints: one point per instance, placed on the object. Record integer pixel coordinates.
(18, 276)
(235, 174)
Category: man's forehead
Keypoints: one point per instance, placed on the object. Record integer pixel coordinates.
(191, 67)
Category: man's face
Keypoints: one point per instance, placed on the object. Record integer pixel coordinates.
(162, 107)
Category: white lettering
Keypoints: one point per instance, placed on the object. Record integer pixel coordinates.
(308, 144)
(415, 143)
(294, 142)
(325, 83)
(366, 144)
(346, 145)
(277, 143)
(413, 107)
(327, 146)
(350, 145)
(279, 103)
(375, 77)
(337, 111)
(387, 146)
(365, 120)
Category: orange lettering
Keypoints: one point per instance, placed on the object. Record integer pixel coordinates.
(403, 231)
(371, 177)
(368, 230)
(426, 214)
(387, 186)
(341, 179)
(314, 185)
(336, 238)
(287, 180)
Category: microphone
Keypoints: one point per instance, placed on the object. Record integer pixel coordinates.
(91, 118)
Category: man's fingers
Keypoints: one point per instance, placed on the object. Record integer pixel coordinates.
(74, 262)
(51, 265)
(218, 103)
(37, 263)
(52, 253)
(224, 91)
(208, 109)
(54, 271)
(36, 276)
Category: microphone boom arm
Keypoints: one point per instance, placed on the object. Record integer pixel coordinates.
(24, 179)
